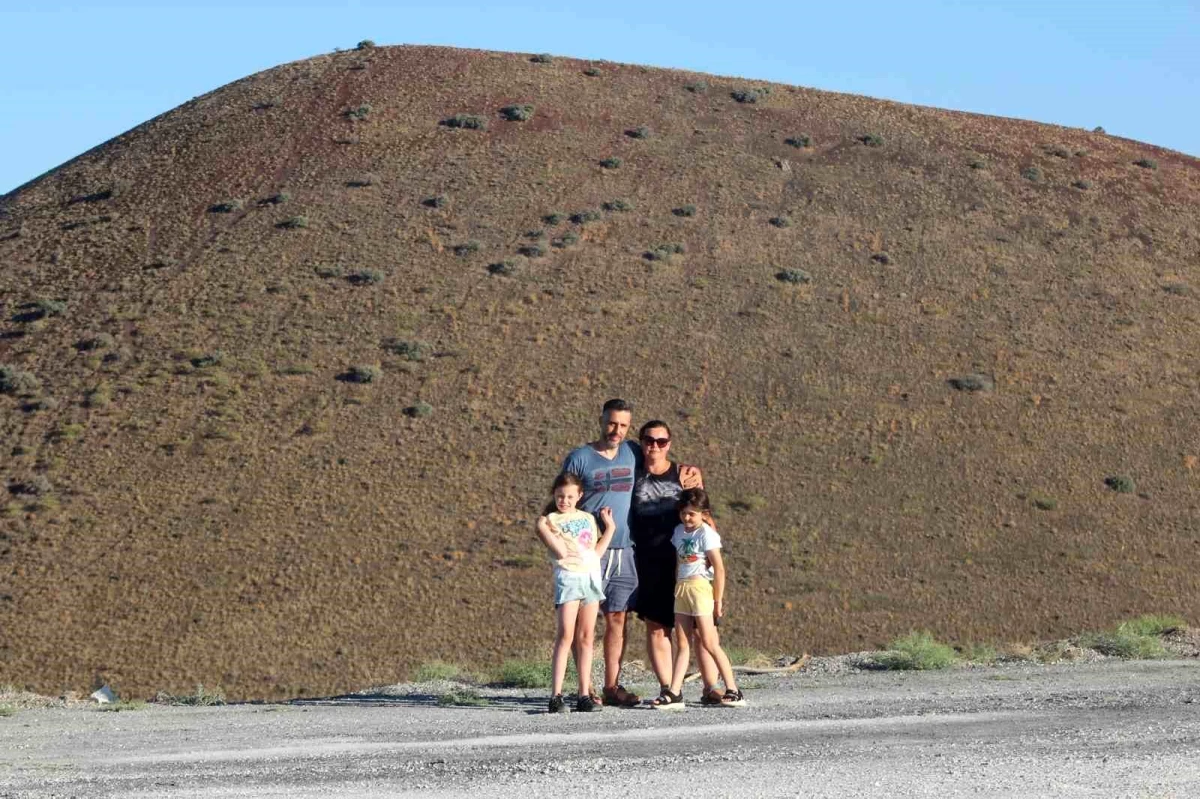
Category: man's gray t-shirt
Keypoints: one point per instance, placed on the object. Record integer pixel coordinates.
(606, 483)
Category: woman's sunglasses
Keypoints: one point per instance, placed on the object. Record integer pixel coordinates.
(650, 441)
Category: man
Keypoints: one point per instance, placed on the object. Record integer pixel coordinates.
(607, 467)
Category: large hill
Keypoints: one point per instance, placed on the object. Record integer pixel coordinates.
(288, 369)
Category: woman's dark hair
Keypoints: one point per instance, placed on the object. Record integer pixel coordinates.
(696, 497)
(563, 479)
(650, 425)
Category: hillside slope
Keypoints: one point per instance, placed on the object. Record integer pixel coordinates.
(202, 489)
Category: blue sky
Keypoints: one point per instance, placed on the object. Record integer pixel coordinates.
(77, 73)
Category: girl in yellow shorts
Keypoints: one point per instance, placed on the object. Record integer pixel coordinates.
(699, 590)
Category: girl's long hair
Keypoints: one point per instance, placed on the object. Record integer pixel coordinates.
(563, 479)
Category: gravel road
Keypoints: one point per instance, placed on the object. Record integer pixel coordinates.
(1111, 728)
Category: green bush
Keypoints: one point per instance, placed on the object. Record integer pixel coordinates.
(800, 141)
(663, 252)
(592, 72)
(524, 674)
(1032, 174)
(1043, 502)
(780, 221)
(100, 341)
(684, 210)
(517, 113)
(583, 217)
(793, 276)
(466, 121)
(365, 44)
(294, 222)
(503, 268)
(871, 139)
(618, 205)
(418, 410)
(917, 651)
(640, 132)
(611, 163)
(697, 87)
(440, 201)
(408, 349)
(327, 271)
(1135, 639)
(277, 199)
(750, 95)
(462, 697)
(362, 373)
(466, 248)
(1146, 163)
(365, 277)
(1121, 484)
(359, 112)
(47, 308)
(542, 58)
(554, 219)
(226, 207)
(531, 250)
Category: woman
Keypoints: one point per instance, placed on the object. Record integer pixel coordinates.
(653, 518)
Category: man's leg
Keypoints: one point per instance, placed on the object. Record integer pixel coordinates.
(614, 647)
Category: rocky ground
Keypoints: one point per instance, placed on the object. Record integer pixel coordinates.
(1092, 726)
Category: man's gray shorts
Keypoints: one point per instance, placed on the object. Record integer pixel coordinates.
(620, 581)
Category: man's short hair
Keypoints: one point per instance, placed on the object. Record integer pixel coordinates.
(617, 405)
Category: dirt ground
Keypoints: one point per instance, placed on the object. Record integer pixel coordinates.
(1112, 728)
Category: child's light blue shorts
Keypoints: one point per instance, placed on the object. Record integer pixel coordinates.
(570, 586)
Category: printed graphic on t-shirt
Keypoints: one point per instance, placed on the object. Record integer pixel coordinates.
(580, 530)
(689, 549)
(619, 479)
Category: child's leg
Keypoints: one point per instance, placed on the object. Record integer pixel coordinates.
(709, 673)
(683, 630)
(585, 640)
(563, 635)
(710, 640)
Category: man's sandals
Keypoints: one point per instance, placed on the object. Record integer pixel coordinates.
(619, 697)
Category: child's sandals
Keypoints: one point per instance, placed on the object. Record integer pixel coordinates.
(668, 701)
(733, 699)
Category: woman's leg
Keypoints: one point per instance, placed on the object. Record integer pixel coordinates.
(683, 629)
(585, 640)
(658, 648)
(708, 639)
(563, 635)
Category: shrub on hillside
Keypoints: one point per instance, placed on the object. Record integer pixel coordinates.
(517, 113)
(503, 268)
(362, 373)
(408, 349)
(750, 95)
(554, 219)
(1032, 174)
(663, 252)
(358, 112)
(466, 121)
(568, 239)
(917, 651)
(418, 410)
(294, 223)
(17, 381)
(684, 210)
(618, 205)
(466, 248)
(793, 276)
(800, 141)
(871, 139)
(365, 277)
(226, 207)
(1146, 163)
(640, 132)
(363, 181)
(696, 87)
(583, 217)
(365, 44)
(1121, 484)
(611, 162)
(99, 341)
(440, 201)
(780, 221)
(531, 250)
(542, 58)
(592, 72)
(45, 308)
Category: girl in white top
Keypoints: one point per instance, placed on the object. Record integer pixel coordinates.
(576, 547)
(699, 593)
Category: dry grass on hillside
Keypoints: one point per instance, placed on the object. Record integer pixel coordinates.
(289, 368)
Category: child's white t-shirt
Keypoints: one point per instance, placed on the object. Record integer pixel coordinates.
(690, 549)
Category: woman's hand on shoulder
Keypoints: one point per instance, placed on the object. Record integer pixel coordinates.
(690, 476)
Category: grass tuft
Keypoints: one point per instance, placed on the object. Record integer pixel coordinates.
(124, 704)
(1135, 639)
(917, 651)
(466, 122)
(1121, 484)
(611, 163)
(201, 697)
(524, 674)
(462, 697)
(799, 141)
(436, 670)
(517, 113)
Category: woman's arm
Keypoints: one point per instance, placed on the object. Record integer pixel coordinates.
(550, 537)
(690, 476)
(606, 534)
(718, 567)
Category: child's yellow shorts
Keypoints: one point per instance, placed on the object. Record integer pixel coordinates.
(694, 597)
